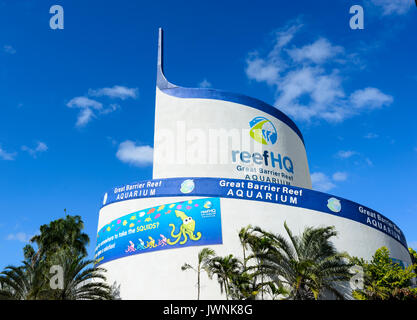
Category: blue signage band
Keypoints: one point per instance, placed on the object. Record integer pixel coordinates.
(257, 191)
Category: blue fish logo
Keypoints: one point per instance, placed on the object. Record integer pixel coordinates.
(263, 131)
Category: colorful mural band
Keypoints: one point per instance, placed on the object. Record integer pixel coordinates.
(167, 226)
(257, 191)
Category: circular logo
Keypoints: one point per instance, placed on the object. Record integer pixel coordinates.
(263, 131)
(105, 199)
(187, 186)
(207, 205)
(334, 204)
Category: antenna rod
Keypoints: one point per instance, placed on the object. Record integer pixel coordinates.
(160, 50)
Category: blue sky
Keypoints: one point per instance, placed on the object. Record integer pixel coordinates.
(78, 104)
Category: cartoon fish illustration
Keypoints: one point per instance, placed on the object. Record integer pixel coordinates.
(148, 219)
(141, 245)
(130, 247)
(151, 243)
(163, 241)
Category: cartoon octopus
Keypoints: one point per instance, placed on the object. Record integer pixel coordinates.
(186, 229)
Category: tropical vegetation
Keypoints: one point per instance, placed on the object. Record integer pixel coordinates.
(56, 267)
(386, 279)
(303, 267)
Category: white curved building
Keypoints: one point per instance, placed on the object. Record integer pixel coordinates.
(222, 161)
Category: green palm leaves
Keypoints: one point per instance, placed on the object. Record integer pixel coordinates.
(303, 267)
(61, 247)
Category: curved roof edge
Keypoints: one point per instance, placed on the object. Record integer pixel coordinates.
(207, 93)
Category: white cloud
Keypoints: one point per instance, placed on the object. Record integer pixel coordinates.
(318, 52)
(371, 98)
(321, 182)
(392, 7)
(119, 92)
(324, 183)
(4, 155)
(40, 147)
(19, 236)
(204, 84)
(84, 117)
(83, 103)
(339, 176)
(307, 81)
(112, 107)
(346, 154)
(261, 70)
(9, 49)
(129, 152)
(91, 108)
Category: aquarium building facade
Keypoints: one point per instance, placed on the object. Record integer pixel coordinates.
(222, 161)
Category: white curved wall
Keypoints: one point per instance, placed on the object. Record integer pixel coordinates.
(201, 137)
(158, 275)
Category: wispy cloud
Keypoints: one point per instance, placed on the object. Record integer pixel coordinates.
(204, 84)
(324, 183)
(345, 154)
(321, 182)
(318, 52)
(83, 103)
(4, 155)
(40, 147)
(129, 152)
(19, 236)
(359, 158)
(339, 176)
(393, 7)
(307, 80)
(91, 108)
(116, 91)
(371, 98)
(9, 49)
(87, 106)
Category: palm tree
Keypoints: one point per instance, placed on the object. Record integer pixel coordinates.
(61, 234)
(225, 268)
(307, 265)
(259, 245)
(32, 282)
(204, 257)
(245, 237)
(82, 280)
(26, 282)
